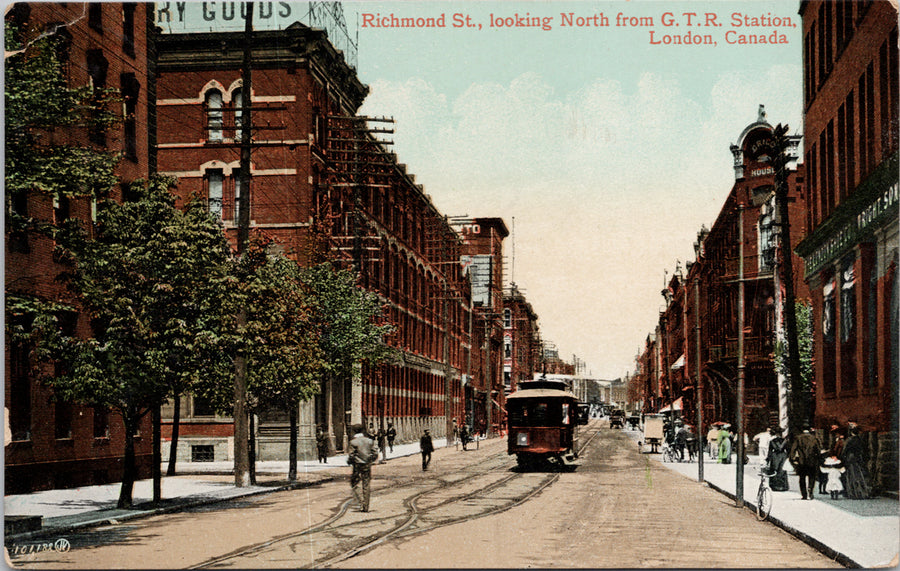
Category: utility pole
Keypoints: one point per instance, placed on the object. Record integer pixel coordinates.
(241, 425)
(739, 461)
(445, 319)
(487, 368)
(799, 405)
(698, 382)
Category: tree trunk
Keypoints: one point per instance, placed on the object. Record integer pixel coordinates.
(292, 452)
(251, 452)
(173, 448)
(157, 455)
(128, 476)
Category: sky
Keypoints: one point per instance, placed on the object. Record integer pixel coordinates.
(603, 147)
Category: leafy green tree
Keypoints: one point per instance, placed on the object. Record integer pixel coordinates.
(284, 359)
(47, 123)
(43, 157)
(801, 407)
(350, 322)
(154, 284)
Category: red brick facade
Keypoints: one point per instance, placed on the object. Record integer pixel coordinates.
(324, 189)
(851, 254)
(61, 444)
(521, 340)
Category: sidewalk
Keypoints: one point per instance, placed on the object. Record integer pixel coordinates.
(856, 533)
(197, 484)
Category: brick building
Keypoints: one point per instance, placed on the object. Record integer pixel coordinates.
(59, 444)
(521, 339)
(739, 251)
(323, 188)
(482, 258)
(851, 253)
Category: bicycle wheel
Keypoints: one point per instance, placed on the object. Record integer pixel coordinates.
(667, 455)
(763, 503)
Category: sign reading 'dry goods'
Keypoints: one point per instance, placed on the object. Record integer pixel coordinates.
(186, 17)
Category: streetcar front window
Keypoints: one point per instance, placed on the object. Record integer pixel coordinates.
(535, 413)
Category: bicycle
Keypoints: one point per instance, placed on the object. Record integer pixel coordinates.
(763, 496)
(671, 453)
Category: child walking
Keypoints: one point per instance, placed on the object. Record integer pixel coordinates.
(833, 468)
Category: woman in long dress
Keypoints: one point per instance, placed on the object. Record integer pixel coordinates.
(775, 459)
(724, 446)
(853, 456)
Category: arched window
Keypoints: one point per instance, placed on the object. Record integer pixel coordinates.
(214, 114)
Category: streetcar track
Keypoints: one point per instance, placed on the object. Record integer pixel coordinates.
(413, 513)
(375, 543)
(343, 509)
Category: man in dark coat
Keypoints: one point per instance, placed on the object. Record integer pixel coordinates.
(322, 445)
(427, 447)
(362, 454)
(391, 435)
(804, 457)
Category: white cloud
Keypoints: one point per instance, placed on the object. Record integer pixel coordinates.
(609, 184)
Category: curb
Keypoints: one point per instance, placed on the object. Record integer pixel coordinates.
(176, 506)
(804, 537)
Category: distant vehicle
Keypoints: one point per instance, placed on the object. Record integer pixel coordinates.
(653, 430)
(542, 417)
(634, 421)
(617, 418)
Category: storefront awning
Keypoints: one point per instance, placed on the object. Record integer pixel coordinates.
(677, 406)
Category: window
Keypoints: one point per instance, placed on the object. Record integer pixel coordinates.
(95, 16)
(202, 406)
(767, 243)
(18, 240)
(61, 208)
(507, 318)
(848, 301)
(237, 98)
(128, 28)
(214, 115)
(828, 327)
(19, 402)
(847, 327)
(62, 45)
(214, 192)
(63, 420)
(237, 196)
(97, 67)
(101, 422)
(130, 89)
(202, 453)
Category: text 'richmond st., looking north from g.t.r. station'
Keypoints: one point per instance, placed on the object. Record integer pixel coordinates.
(667, 28)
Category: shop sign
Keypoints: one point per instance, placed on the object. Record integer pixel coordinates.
(848, 235)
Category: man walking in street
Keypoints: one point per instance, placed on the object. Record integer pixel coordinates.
(363, 452)
(804, 457)
(427, 447)
(391, 435)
